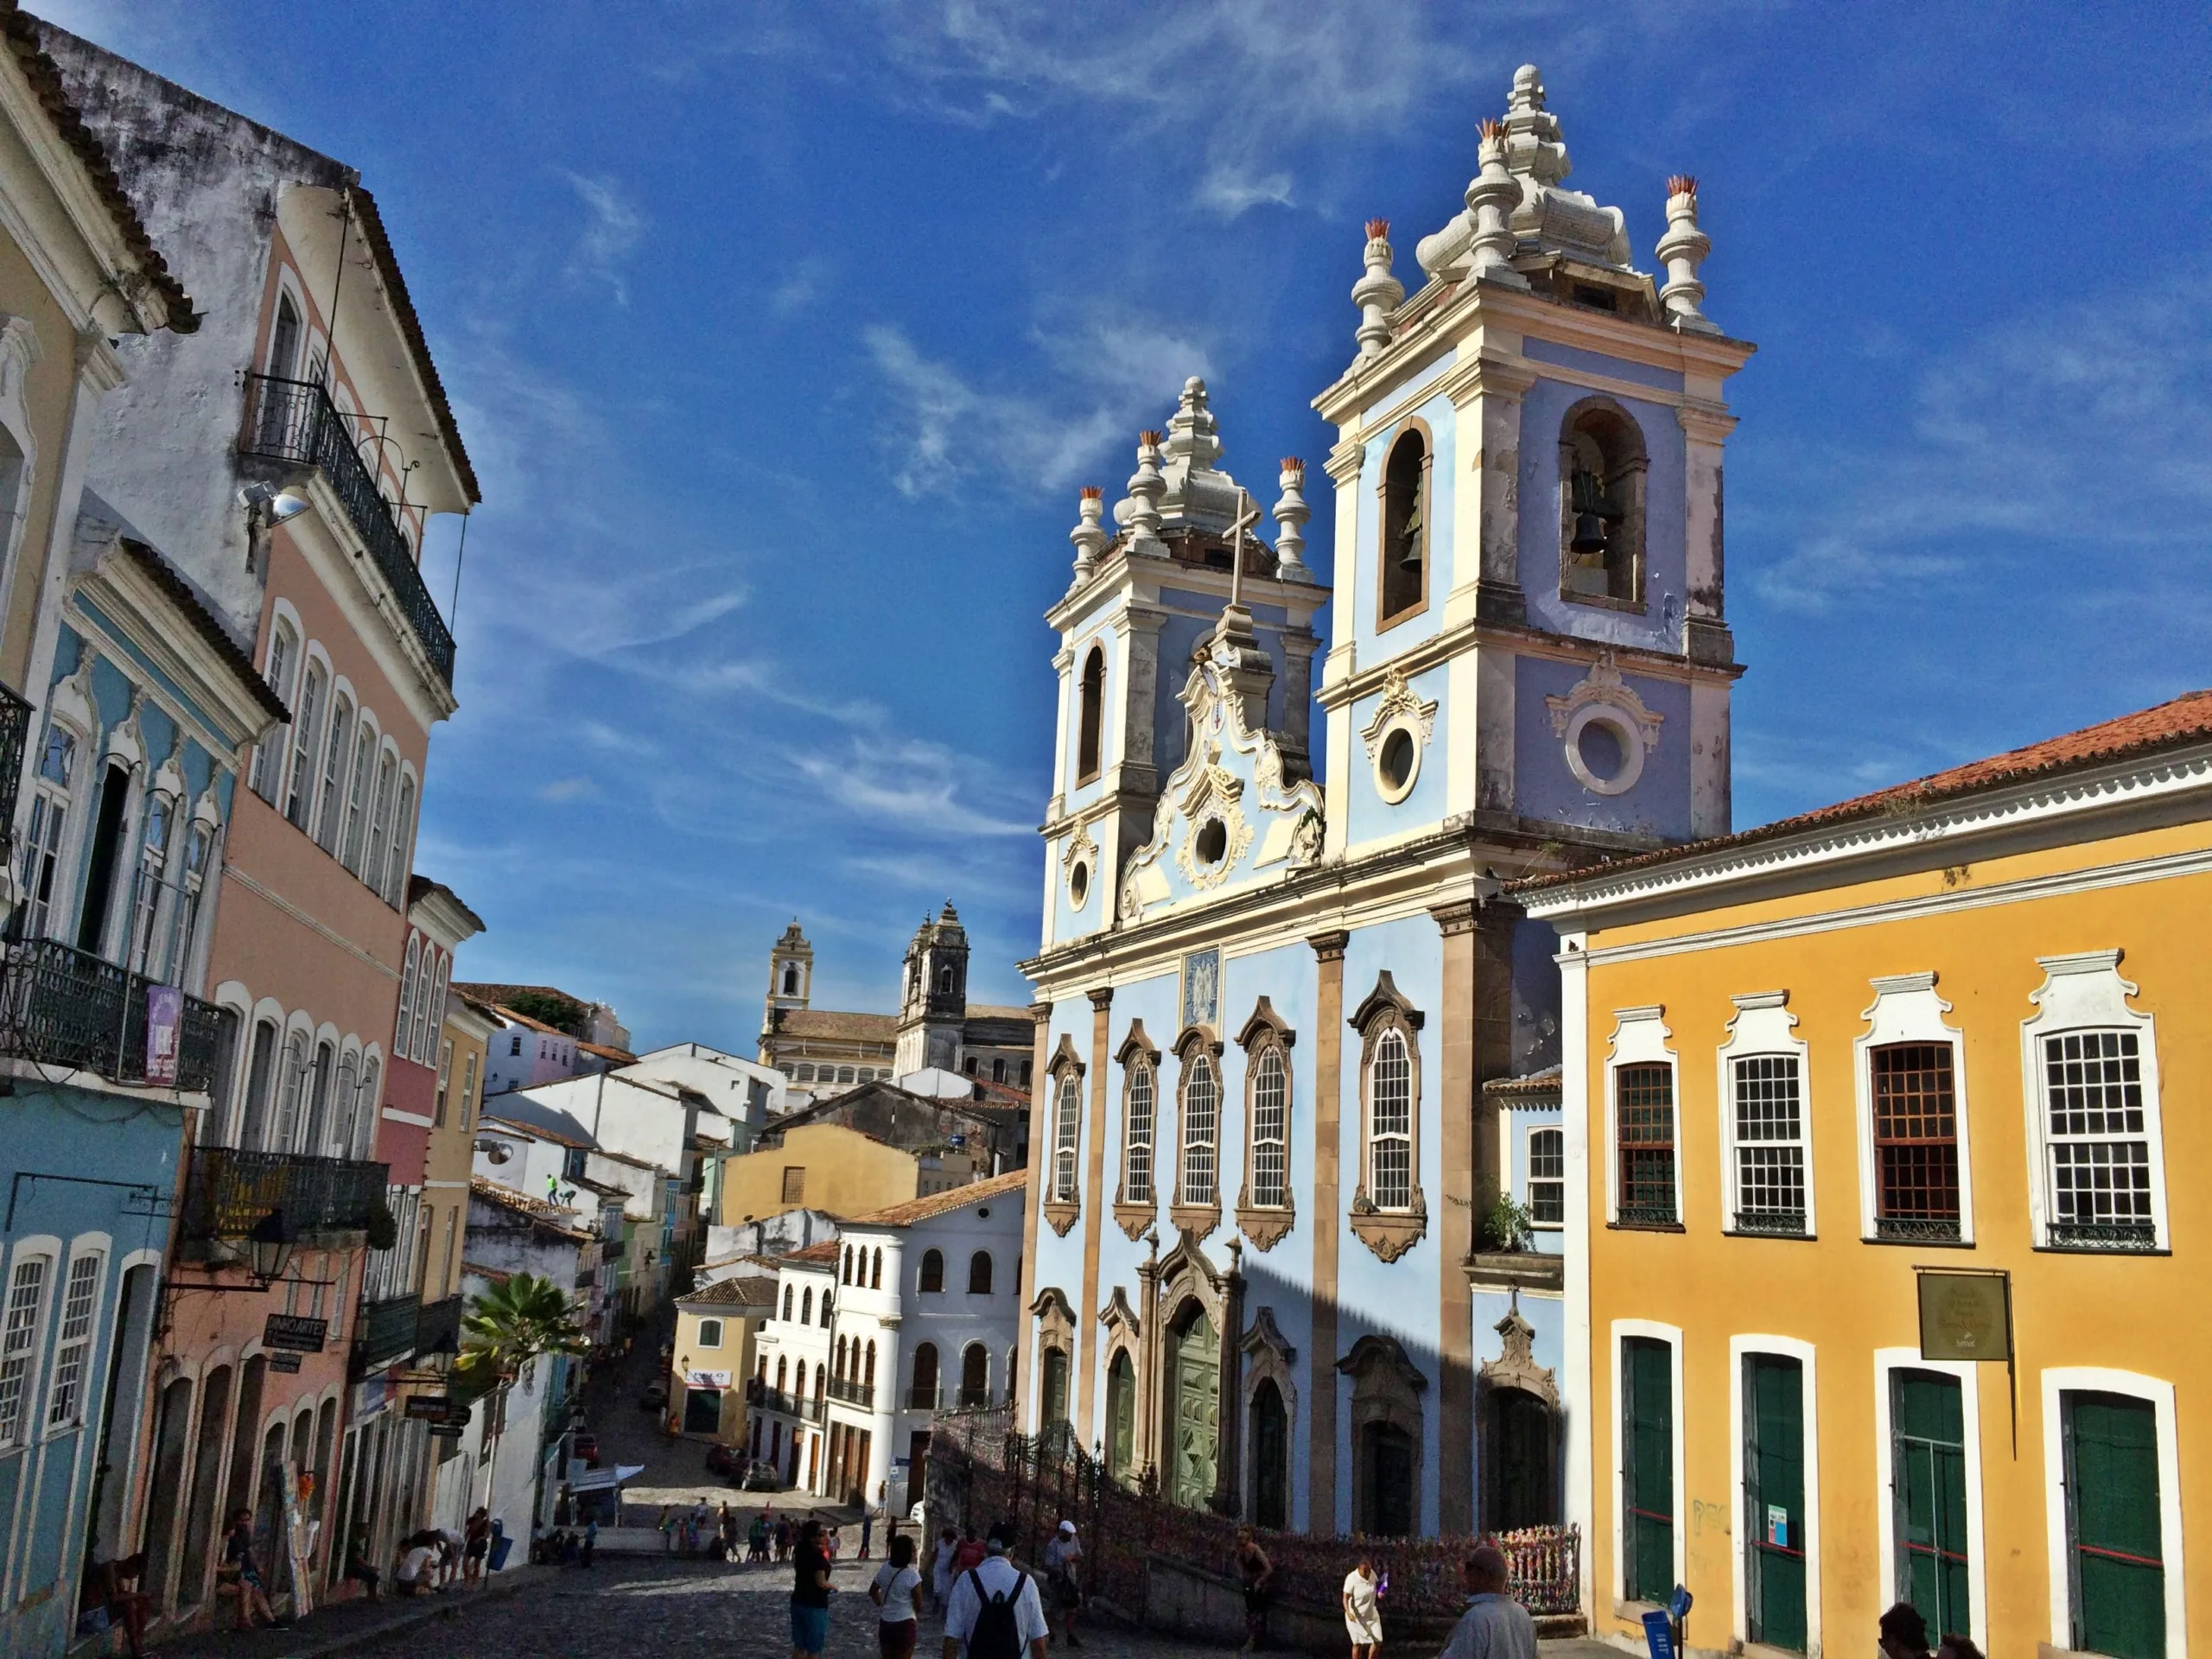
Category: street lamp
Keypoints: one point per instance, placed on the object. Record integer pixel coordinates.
(269, 1246)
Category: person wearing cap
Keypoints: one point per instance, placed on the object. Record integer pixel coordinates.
(996, 1578)
(1061, 1555)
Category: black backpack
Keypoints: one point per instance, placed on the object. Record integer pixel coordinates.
(997, 1633)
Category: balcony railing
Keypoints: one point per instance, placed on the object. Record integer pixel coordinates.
(1647, 1215)
(386, 1330)
(15, 733)
(229, 1191)
(296, 421)
(439, 1326)
(926, 1399)
(65, 1006)
(1918, 1230)
(2103, 1236)
(852, 1393)
(1780, 1223)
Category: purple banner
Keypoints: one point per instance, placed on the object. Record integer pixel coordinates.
(164, 1029)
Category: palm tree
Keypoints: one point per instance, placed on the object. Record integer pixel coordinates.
(519, 1319)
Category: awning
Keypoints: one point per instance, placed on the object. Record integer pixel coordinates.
(598, 1480)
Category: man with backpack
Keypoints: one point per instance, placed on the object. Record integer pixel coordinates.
(995, 1612)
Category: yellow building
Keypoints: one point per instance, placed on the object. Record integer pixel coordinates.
(714, 1328)
(818, 1166)
(1942, 1047)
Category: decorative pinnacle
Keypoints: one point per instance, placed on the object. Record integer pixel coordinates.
(1089, 534)
(1378, 293)
(1291, 513)
(1682, 250)
(1493, 195)
(1146, 488)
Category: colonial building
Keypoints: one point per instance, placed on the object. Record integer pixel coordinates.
(1273, 1257)
(821, 1052)
(1883, 1122)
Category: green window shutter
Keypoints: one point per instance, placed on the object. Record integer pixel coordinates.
(1648, 1469)
(1774, 1499)
(1928, 1476)
(2117, 1556)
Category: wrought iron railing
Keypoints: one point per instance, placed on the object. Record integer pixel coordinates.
(2103, 1236)
(926, 1399)
(1647, 1215)
(386, 1330)
(852, 1393)
(296, 421)
(439, 1327)
(65, 1006)
(1918, 1230)
(231, 1192)
(14, 734)
(1781, 1223)
(976, 1399)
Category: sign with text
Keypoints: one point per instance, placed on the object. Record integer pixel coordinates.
(435, 1407)
(1965, 1316)
(295, 1335)
(446, 1431)
(164, 1033)
(286, 1363)
(706, 1379)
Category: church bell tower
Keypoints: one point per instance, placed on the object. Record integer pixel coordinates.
(933, 1002)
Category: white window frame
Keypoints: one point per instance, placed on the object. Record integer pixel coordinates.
(1888, 1361)
(303, 760)
(1067, 1136)
(48, 1251)
(1739, 1349)
(706, 1340)
(1672, 1336)
(1762, 1026)
(1151, 1144)
(401, 1043)
(1906, 1009)
(1529, 1177)
(1640, 1038)
(337, 758)
(273, 752)
(1187, 1139)
(49, 799)
(1271, 1052)
(2061, 1380)
(92, 1249)
(2081, 993)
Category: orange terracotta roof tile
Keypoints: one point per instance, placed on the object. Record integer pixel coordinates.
(938, 1203)
(825, 1252)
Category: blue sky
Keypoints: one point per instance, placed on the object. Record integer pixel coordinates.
(782, 336)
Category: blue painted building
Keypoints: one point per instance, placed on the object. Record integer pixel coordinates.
(132, 763)
(1295, 1237)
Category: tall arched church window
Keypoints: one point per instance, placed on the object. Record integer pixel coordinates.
(306, 730)
(933, 1274)
(924, 1395)
(791, 981)
(806, 1306)
(1264, 1211)
(1067, 1115)
(876, 1271)
(1195, 1206)
(1403, 553)
(975, 1375)
(1389, 1211)
(787, 1312)
(1602, 464)
(979, 1273)
(1090, 717)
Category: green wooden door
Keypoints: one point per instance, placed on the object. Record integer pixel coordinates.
(2117, 1556)
(1194, 1425)
(1774, 1499)
(1270, 1459)
(1056, 1388)
(1121, 1416)
(1929, 1494)
(1648, 1469)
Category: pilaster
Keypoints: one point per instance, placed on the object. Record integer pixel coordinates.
(1321, 1361)
(1706, 636)
(1094, 1188)
(1487, 516)
(1025, 1340)
(1229, 1457)
(1456, 1147)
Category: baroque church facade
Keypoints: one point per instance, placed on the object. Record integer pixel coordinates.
(1296, 1123)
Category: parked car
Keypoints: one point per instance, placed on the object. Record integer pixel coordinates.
(584, 1444)
(655, 1397)
(762, 1477)
(725, 1461)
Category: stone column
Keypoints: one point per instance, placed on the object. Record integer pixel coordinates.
(1094, 1210)
(1147, 1450)
(1039, 1093)
(1327, 1224)
(1456, 1222)
(1706, 638)
(1487, 512)
(1229, 1441)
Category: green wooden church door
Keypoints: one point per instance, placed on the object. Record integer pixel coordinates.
(1194, 1429)
(1774, 1498)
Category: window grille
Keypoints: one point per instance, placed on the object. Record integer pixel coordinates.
(1769, 1145)
(2099, 1145)
(1390, 1133)
(1548, 1177)
(1201, 1104)
(1644, 1137)
(1137, 1171)
(1916, 1141)
(1065, 1130)
(26, 1293)
(1270, 1133)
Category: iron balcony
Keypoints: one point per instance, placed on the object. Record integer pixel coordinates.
(60, 1006)
(229, 1191)
(294, 420)
(852, 1393)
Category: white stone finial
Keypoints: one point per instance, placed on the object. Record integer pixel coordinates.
(1493, 196)
(1146, 487)
(1378, 293)
(1089, 535)
(1682, 250)
(1291, 513)
(1532, 144)
(1193, 435)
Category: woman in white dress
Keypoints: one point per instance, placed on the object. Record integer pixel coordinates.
(1363, 1612)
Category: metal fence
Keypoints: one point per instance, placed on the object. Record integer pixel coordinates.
(982, 1472)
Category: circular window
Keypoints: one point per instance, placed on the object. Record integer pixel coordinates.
(1603, 751)
(1397, 764)
(1079, 884)
(1210, 843)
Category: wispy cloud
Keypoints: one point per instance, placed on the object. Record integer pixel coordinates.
(568, 789)
(612, 229)
(802, 285)
(919, 786)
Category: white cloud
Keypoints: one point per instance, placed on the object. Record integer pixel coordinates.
(801, 286)
(918, 787)
(612, 231)
(568, 789)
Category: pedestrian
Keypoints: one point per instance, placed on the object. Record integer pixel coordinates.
(725, 1529)
(1363, 1612)
(449, 1548)
(1958, 1647)
(240, 1574)
(360, 1571)
(476, 1538)
(995, 1612)
(834, 1544)
(112, 1588)
(969, 1554)
(1904, 1632)
(414, 1572)
(1062, 1553)
(1256, 1572)
(1495, 1626)
(667, 1524)
(897, 1621)
(867, 1525)
(947, 1545)
(756, 1540)
(810, 1595)
(591, 1540)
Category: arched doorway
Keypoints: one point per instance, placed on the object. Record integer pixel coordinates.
(1270, 1457)
(1522, 1489)
(1121, 1416)
(1194, 1409)
(1388, 1467)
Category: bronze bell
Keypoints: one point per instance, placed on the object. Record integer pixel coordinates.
(1592, 513)
(1589, 534)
